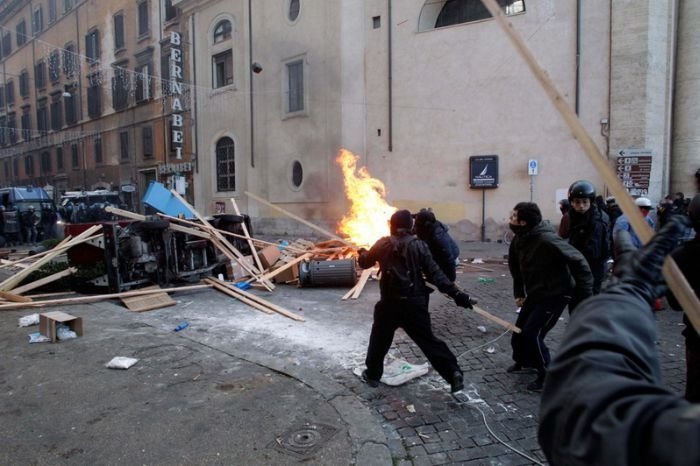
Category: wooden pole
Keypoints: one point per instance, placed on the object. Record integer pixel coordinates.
(674, 277)
(59, 246)
(281, 269)
(43, 281)
(96, 298)
(259, 300)
(243, 299)
(247, 236)
(299, 219)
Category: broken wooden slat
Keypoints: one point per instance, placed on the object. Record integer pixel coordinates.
(496, 319)
(248, 238)
(148, 302)
(281, 269)
(260, 300)
(14, 297)
(43, 281)
(95, 298)
(18, 262)
(13, 264)
(243, 299)
(361, 283)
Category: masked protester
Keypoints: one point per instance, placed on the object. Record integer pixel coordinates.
(547, 272)
(403, 302)
(443, 248)
(623, 222)
(603, 401)
(588, 229)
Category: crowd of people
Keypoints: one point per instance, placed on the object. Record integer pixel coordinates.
(603, 401)
(28, 226)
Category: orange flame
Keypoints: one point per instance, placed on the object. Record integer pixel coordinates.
(369, 213)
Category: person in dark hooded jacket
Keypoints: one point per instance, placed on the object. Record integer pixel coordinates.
(603, 401)
(407, 306)
(443, 248)
(547, 271)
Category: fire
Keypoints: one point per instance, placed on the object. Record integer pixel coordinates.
(369, 213)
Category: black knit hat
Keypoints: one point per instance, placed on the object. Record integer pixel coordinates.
(401, 220)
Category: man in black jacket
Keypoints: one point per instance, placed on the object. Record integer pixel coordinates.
(603, 401)
(404, 301)
(443, 248)
(547, 271)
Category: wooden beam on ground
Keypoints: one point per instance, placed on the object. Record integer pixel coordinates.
(17, 262)
(15, 298)
(149, 302)
(142, 218)
(248, 238)
(361, 283)
(13, 264)
(16, 279)
(674, 277)
(96, 298)
(243, 299)
(299, 219)
(259, 300)
(281, 269)
(43, 281)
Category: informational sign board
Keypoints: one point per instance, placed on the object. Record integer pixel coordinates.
(634, 170)
(532, 167)
(483, 171)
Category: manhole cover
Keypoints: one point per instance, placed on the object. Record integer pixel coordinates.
(305, 441)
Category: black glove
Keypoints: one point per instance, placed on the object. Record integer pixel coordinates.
(462, 300)
(361, 251)
(639, 271)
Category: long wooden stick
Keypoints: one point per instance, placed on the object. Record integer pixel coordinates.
(43, 281)
(361, 283)
(496, 319)
(299, 219)
(227, 290)
(674, 277)
(142, 218)
(247, 237)
(96, 298)
(260, 300)
(59, 246)
(281, 269)
(14, 297)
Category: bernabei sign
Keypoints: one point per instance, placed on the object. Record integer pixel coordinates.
(176, 79)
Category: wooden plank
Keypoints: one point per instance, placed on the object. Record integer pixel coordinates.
(142, 218)
(674, 277)
(243, 299)
(247, 236)
(361, 283)
(260, 300)
(299, 219)
(35, 256)
(279, 270)
(95, 298)
(13, 264)
(13, 281)
(43, 281)
(148, 302)
(496, 319)
(14, 297)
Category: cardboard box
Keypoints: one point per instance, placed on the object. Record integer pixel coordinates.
(49, 320)
(269, 255)
(291, 274)
(234, 269)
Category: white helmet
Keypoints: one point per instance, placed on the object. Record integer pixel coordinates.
(643, 202)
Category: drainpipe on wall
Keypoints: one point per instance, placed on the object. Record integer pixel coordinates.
(194, 94)
(390, 77)
(667, 182)
(250, 80)
(578, 55)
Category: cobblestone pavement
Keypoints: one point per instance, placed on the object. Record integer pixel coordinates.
(425, 425)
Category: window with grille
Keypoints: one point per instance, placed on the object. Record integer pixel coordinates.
(21, 30)
(295, 86)
(94, 96)
(222, 31)
(120, 88)
(143, 26)
(119, 31)
(40, 75)
(69, 60)
(225, 165)
(223, 69)
(144, 82)
(54, 66)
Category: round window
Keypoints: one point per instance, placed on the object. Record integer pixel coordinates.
(293, 11)
(297, 174)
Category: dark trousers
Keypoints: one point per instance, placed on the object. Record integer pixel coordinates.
(535, 321)
(412, 315)
(692, 364)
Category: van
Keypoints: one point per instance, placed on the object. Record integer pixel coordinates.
(17, 200)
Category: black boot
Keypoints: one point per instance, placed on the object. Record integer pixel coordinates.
(537, 384)
(457, 383)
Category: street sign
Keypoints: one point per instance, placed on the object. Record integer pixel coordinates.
(532, 167)
(483, 171)
(634, 170)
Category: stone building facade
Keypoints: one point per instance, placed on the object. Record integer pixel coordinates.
(87, 97)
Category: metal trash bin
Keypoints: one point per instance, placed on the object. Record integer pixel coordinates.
(328, 273)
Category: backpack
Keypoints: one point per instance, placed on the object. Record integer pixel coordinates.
(398, 279)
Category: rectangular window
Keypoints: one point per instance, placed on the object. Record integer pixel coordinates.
(45, 163)
(124, 145)
(54, 66)
(69, 106)
(11, 128)
(165, 71)
(92, 46)
(15, 166)
(40, 75)
(67, 5)
(69, 60)
(147, 141)
(28, 165)
(120, 88)
(21, 30)
(10, 92)
(225, 165)
(144, 86)
(26, 124)
(3, 131)
(376, 22)
(8, 169)
(98, 150)
(56, 113)
(170, 11)
(75, 162)
(143, 18)
(42, 117)
(2, 98)
(119, 31)
(37, 21)
(59, 158)
(223, 69)
(52, 11)
(295, 86)
(94, 94)
(24, 83)
(7, 44)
